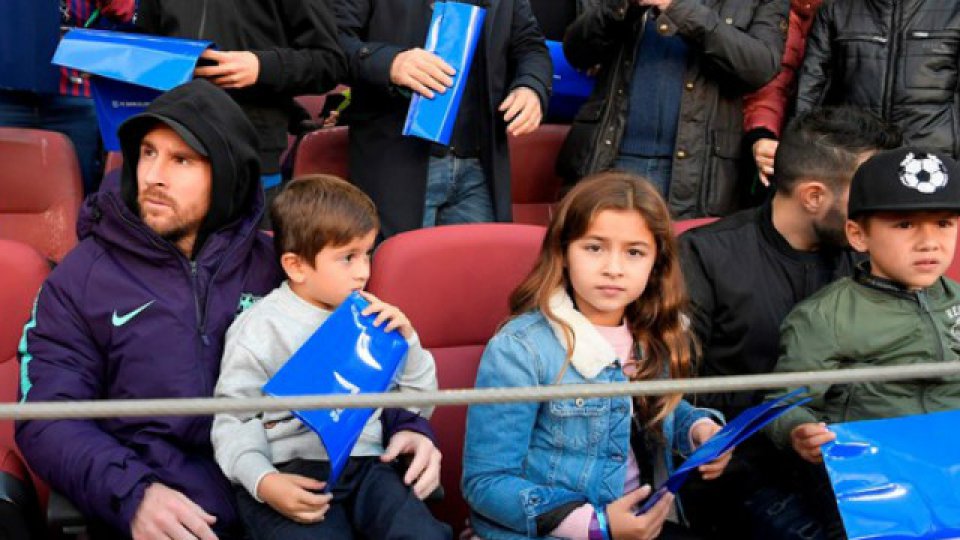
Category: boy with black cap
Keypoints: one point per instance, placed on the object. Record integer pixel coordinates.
(897, 309)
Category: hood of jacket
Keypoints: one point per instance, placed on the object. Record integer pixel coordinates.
(226, 134)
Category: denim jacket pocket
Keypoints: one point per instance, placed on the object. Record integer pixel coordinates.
(580, 407)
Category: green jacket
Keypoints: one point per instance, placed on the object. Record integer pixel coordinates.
(868, 321)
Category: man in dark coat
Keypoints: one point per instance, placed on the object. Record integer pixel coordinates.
(668, 100)
(507, 90)
(895, 58)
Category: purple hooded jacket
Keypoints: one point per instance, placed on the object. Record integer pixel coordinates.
(126, 315)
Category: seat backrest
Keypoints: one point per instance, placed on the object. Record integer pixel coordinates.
(684, 225)
(324, 151)
(40, 190)
(453, 282)
(22, 271)
(535, 186)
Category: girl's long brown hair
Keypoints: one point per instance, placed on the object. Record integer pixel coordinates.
(655, 319)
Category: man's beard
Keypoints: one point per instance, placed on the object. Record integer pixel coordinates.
(177, 229)
(831, 231)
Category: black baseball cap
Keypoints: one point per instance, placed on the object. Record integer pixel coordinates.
(139, 125)
(905, 179)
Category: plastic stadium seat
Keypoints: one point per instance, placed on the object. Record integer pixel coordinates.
(113, 162)
(682, 226)
(453, 283)
(323, 151)
(22, 271)
(535, 185)
(40, 190)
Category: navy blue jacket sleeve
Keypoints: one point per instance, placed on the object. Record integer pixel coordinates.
(61, 362)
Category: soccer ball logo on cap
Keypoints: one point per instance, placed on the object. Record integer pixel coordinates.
(923, 172)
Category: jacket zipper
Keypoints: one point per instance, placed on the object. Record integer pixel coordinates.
(196, 304)
(941, 356)
(614, 86)
(892, 48)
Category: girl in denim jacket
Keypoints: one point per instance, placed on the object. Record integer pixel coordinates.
(602, 304)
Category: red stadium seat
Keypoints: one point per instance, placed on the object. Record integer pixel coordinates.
(323, 151)
(113, 162)
(453, 283)
(535, 186)
(40, 190)
(682, 226)
(22, 271)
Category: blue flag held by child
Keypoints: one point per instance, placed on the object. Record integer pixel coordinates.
(897, 477)
(346, 355)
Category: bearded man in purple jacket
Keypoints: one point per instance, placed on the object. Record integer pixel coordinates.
(139, 310)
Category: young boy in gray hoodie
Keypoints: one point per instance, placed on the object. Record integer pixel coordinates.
(324, 232)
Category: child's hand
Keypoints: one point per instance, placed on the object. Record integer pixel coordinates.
(807, 439)
(701, 432)
(626, 525)
(385, 312)
(424, 470)
(293, 496)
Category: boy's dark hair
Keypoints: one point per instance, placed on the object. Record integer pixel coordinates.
(319, 210)
(826, 143)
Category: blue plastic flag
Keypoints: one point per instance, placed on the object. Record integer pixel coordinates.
(897, 478)
(454, 31)
(571, 88)
(735, 432)
(130, 70)
(346, 355)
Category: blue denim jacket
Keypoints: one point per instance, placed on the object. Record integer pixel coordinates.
(522, 460)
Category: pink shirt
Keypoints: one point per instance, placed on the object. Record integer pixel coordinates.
(575, 525)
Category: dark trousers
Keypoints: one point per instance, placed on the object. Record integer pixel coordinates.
(370, 500)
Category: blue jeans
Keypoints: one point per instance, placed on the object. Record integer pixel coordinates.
(655, 169)
(457, 192)
(75, 117)
(369, 501)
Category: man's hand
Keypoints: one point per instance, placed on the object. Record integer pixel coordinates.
(521, 111)
(421, 71)
(424, 470)
(701, 433)
(807, 439)
(166, 513)
(234, 69)
(293, 496)
(763, 152)
(626, 525)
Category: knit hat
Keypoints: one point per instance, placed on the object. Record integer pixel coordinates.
(905, 179)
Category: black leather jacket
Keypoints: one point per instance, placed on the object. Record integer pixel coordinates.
(898, 58)
(735, 48)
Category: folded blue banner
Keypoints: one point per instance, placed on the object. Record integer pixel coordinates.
(346, 355)
(454, 31)
(29, 31)
(130, 70)
(735, 432)
(897, 478)
(571, 88)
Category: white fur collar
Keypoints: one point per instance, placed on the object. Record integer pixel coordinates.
(591, 351)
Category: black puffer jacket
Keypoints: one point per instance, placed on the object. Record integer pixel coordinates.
(735, 47)
(898, 58)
